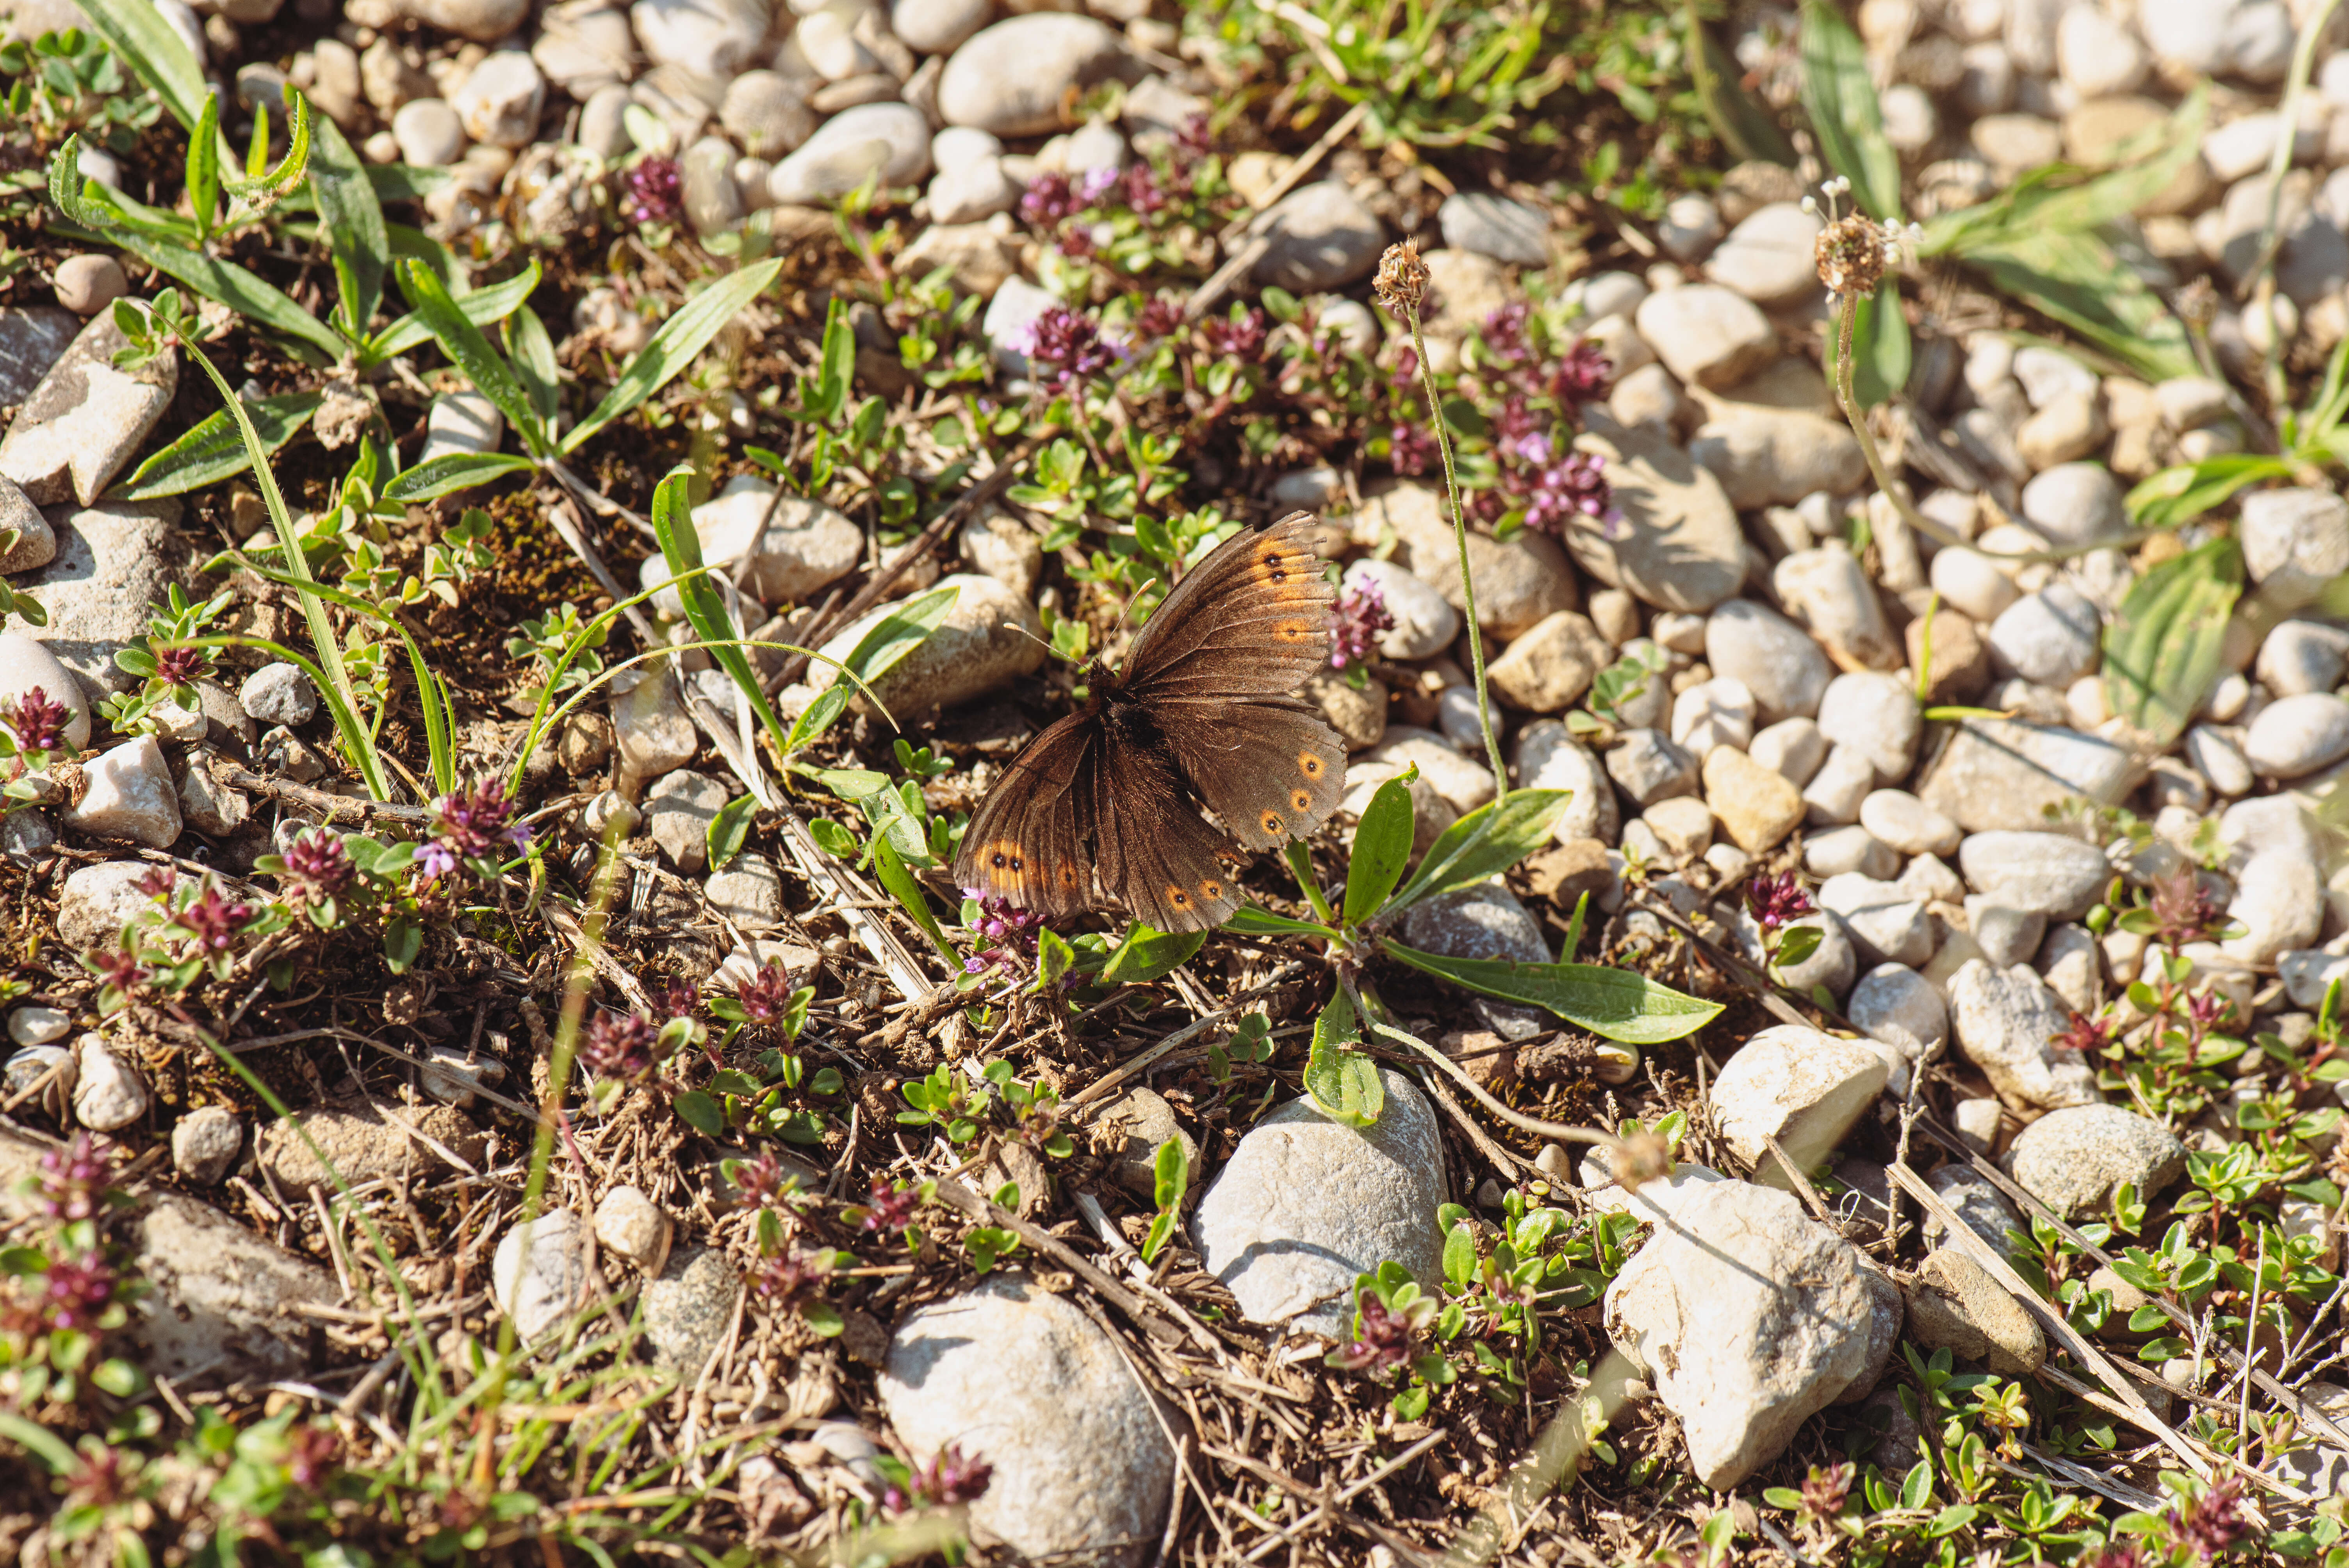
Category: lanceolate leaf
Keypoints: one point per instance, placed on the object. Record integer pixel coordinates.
(151, 46)
(1879, 347)
(1486, 842)
(214, 449)
(1841, 101)
(673, 522)
(1381, 849)
(1615, 1003)
(2076, 279)
(1344, 1083)
(1148, 954)
(2181, 494)
(470, 352)
(1744, 124)
(451, 472)
(2162, 650)
(353, 220)
(673, 347)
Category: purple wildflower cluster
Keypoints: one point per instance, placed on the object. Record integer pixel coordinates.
(1778, 901)
(1541, 476)
(212, 921)
(1382, 1340)
(469, 825)
(317, 866)
(1241, 335)
(790, 1277)
(2214, 1522)
(73, 1180)
(179, 665)
(761, 1180)
(1356, 620)
(1009, 932)
(950, 1478)
(37, 720)
(621, 1047)
(76, 1290)
(766, 996)
(1064, 346)
(653, 192)
(888, 1209)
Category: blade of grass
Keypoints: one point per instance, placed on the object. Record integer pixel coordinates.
(673, 347)
(333, 679)
(470, 352)
(673, 522)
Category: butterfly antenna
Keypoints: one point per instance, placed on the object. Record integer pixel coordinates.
(1147, 585)
(1016, 626)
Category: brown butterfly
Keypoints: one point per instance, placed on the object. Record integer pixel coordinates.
(1107, 800)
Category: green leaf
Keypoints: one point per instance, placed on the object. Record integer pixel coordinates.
(482, 307)
(353, 222)
(730, 829)
(1742, 122)
(214, 449)
(889, 866)
(532, 353)
(34, 1438)
(1381, 849)
(203, 186)
(884, 645)
(700, 1112)
(470, 352)
(1840, 99)
(816, 717)
(673, 347)
(1170, 1173)
(2051, 199)
(2163, 648)
(1161, 1230)
(261, 303)
(1879, 347)
(153, 49)
(1249, 920)
(2076, 279)
(2179, 495)
(1615, 1003)
(1148, 955)
(1486, 842)
(1345, 1084)
(1054, 958)
(673, 522)
(451, 472)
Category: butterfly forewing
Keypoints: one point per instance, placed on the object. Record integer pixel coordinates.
(1251, 620)
(1027, 841)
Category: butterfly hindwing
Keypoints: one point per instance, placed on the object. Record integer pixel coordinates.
(1027, 842)
(1271, 768)
(1156, 855)
(1251, 620)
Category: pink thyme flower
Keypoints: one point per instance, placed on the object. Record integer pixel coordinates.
(1356, 622)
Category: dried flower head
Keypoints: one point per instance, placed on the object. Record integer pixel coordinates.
(1642, 1157)
(1854, 250)
(1402, 283)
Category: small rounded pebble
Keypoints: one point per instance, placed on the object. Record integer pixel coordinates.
(87, 285)
(33, 1024)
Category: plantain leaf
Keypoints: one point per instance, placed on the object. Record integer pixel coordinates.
(2163, 649)
(154, 50)
(1344, 1083)
(214, 449)
(1381, 849)
(1742, 122)
(1615, 1002)
(2076, 279)
(1483, 844)
(2181, 494)
(1840, 99)
(451, 472)
(1148, 954)
(353, 221)
(1879, 347)
(673, 347)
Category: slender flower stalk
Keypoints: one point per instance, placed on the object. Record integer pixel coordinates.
(1401, 284)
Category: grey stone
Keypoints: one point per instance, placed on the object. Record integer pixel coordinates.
(363, 1144)
(936, 26)
(1957, 1306)
(1495, 226)
(678, 810)
(715, 37)
(766, 113)
(1014, 1375)
(2000, 773)
(2039, 873)
(500, 99)
(1885, 924)
(278, 694)
(749, 892)
(109, 1092)
(1009, 78)
(31, 339)
(1771, 257)
(713, 203)
(1893, 1004)
(1853, 849)
(1777, 662)
(2005, 937)
(689, 1307)
(1979, 1206)
(223, 1304)
(2069, 962)
(2006, 1022)
(1650, 768)
(2295, 541)
(540, 1274)
(2280, 903)
(1828, 593)
(1483, 922)
(1706, 334)
(1306, 1204)
(2075, 504)
(1675, 543)
(971, 653)
(2294, 735)
(1832, 964)
(1906, 824)
(579, 47)
(2073, 1158)
(466, 422)
(1133, 1130)
(1321, 237)
(1876, 716)
(2049, 637)
(2301, 656)
(129, 794)
(1796, 1085)
(1548, 756)
(85, 418)
(1748, 1317)
(1691, 226)
(97, 900)
(27, 666)
(204, 1144)
(655, 733)
(891, 140)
